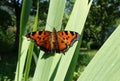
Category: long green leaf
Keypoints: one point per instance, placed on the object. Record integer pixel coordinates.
(75, 23)
(71, 69)
(23, 21)
(30, 51)
(45, 66)
(25, 45)
(105, 66)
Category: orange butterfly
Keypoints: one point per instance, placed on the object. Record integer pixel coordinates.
(54, 41)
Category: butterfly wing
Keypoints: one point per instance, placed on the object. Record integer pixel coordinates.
(66, 39)
(42, 39)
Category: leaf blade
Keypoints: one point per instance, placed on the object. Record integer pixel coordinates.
(105, 64)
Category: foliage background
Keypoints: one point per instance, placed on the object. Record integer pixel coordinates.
(103, 18)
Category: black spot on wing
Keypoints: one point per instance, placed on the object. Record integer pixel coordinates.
(63, 38)
(62, 33)
(40, 32)
(67, 37)
(43, 38)
(62, 41)
(72, 33)
(66, 32)
(29, 34)
(77, 36)
(44, 33)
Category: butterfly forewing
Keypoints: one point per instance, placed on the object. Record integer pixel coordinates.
(66, 39)
(42, 39)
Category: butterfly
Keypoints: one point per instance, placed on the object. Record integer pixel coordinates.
(54, 41)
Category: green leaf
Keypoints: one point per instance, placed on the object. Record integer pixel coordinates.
(20, 67)
(54, 67)
(23, 21)
(46, 65)
(75, 23)
(31, 47)
(105, 66)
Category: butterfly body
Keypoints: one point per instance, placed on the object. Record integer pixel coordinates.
(54, 41)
